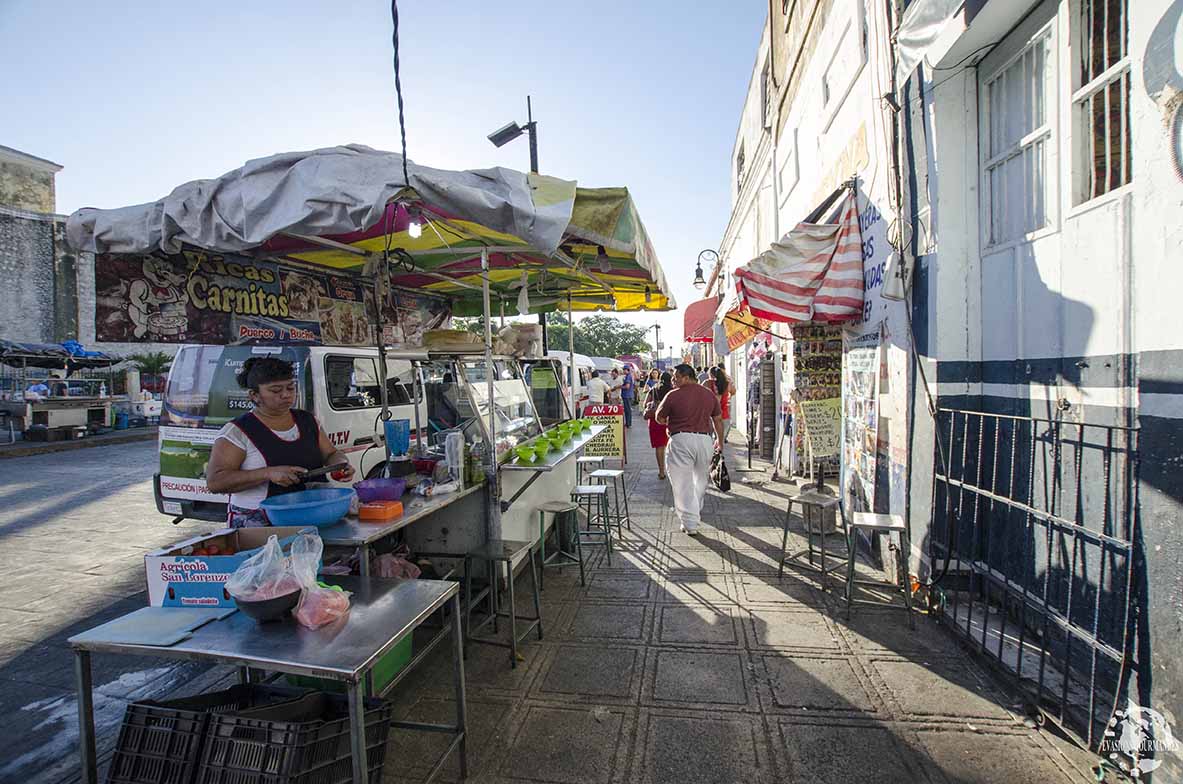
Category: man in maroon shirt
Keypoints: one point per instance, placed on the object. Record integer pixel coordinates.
(695, 421)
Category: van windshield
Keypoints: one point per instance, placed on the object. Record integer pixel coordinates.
(202, 390)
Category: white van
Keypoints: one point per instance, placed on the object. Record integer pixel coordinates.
(338, 385)
(583, 370)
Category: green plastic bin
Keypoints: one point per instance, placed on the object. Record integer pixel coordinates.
(387, 668)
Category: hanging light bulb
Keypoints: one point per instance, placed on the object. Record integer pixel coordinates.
(415, 224)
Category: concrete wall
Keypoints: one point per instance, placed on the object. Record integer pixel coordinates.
(27, 272)
(25, 187)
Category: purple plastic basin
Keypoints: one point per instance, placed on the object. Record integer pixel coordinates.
(369, 490)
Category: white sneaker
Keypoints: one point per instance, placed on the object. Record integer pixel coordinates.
(688, 531)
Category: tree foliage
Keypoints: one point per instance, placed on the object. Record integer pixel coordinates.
(595, 336)
(152, 363)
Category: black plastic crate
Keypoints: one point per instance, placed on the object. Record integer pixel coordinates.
(160, 741)
(302, 742)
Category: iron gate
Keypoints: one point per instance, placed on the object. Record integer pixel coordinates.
(1038, 520)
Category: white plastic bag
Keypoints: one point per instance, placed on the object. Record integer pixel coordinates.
(317, 606)
(265, 575)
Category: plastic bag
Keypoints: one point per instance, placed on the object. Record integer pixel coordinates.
(395, 565)
(317, 606)
(265, 575)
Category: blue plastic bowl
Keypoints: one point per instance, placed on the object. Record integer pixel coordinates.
(322, 507)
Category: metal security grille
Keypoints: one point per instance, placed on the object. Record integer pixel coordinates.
(1038, 519)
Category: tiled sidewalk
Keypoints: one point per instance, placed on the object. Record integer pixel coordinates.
(687, 660)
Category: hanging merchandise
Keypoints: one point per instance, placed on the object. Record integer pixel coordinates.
(524, 295)
(860, 420)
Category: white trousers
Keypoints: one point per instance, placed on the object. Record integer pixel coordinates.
(688, 464)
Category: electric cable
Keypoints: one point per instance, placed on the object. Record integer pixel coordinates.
(398, 89)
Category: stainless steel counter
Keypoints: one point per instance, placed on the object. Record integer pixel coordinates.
(382, 613)
(352, 532)
(555, 457)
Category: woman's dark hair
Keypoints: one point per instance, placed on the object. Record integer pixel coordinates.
(665, 387)
(721, 381)
(257, 371)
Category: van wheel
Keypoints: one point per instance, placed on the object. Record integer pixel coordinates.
(377, 471)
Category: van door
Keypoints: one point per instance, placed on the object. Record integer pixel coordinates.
(349, 403)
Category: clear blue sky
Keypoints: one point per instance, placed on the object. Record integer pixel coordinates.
(134, 97)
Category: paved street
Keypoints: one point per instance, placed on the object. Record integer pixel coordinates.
(685, 660)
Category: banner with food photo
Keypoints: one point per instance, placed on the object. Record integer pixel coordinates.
(226, 299)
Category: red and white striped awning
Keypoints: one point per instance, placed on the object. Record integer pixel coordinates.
(814, 274)
(698, 322)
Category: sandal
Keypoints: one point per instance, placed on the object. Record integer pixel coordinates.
(661, 476)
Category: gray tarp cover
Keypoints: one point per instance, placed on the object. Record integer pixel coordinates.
(324, 192)
(921, 26)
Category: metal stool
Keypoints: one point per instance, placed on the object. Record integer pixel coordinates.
(593, 463)
(879, 524)
(494, 553)
(814, 507)
(593, 500)
(562, 510)
(603, 476)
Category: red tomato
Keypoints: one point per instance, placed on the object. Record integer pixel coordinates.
(339, 475)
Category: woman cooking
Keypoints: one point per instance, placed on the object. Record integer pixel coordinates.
(267, 451)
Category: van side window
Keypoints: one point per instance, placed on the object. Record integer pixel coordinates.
(352, 382)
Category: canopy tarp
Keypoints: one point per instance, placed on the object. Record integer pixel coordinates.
(922, 24)
(698, 322)
(52, 355)
(341, 208)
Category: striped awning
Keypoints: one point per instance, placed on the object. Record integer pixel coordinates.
(814, 274)
(698, 322)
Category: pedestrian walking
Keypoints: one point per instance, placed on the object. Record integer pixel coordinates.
(597, 388)
(652, 382)
(659, 434)
(628, 389)
(614, 386)
(694, 418)
(724, 388)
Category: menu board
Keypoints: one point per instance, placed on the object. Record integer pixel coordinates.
(822, 421)
(609, 443)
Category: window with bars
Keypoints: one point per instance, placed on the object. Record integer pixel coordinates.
(1019, 143)
(1101, 101)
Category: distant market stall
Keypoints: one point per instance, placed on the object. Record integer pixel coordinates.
(50, 391)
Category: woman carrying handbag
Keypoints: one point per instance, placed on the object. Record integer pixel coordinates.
(659, 435)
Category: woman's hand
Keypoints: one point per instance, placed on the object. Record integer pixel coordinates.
(284, 476)
(344, 475)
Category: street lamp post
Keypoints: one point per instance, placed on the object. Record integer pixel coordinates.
(505, 135)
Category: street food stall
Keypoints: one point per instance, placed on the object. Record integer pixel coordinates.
(51, 393)
(260, 257)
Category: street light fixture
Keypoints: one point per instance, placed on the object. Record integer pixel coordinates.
(506, 134)
(711, 258)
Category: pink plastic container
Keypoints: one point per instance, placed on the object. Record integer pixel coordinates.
(370, 490)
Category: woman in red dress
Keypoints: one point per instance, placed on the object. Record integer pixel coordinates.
(659, 436)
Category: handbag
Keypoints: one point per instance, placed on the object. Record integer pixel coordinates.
(719, 476)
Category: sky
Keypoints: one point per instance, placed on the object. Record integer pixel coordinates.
(133, 98)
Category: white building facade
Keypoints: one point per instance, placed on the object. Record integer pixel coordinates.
(1022, 163)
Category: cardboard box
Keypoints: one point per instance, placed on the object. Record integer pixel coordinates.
(178, 578)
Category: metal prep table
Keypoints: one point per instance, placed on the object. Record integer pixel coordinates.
(382, 613)
(352, 532)
(554, 457)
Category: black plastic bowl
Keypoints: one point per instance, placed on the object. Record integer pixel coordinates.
(269, 609)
